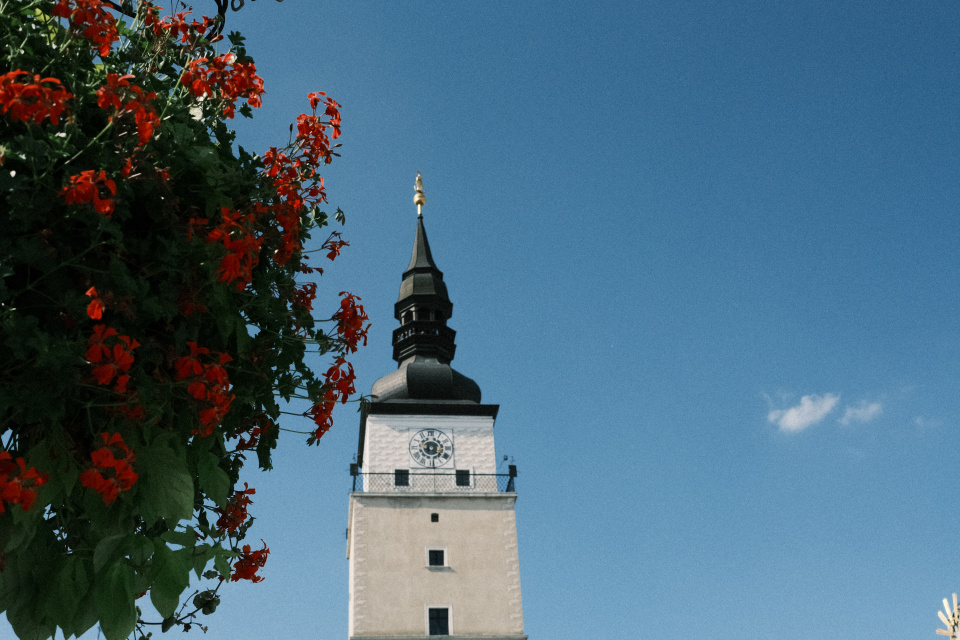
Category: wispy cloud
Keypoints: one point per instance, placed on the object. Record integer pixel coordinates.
(811, 410)
(863, 412)
(926, 422)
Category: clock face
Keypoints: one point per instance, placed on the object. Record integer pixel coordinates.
(431, 448)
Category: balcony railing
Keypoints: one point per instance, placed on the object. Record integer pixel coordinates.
(403, 481)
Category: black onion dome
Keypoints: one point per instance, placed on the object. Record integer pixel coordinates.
(420, 380)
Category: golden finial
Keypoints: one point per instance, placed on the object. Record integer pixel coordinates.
(418, 198)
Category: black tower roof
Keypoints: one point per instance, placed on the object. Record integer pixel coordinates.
(423, 345)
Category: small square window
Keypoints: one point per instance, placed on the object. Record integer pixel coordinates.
(434, 517)
(401, 478)
(435, 557)
(439, 622)
(463, 478)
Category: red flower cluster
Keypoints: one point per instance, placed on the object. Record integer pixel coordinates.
(43, 98)
(243, 248)
(96, 24)
(122, 96)
(111, 471)
(322, 413)
(339, 384)
(234, 80)
(250, 430)
(295, 177)
(334, 245)
(287, 214)
(17, 483)
(235, 513)
(245, 444)
(209, 384)
(246, 567)
(95, 308)
(304, 295)
(341, 380)
(113, 361)
(313, 140)
(88, 186)
(350, 319)
(332, 110)
(177, 25)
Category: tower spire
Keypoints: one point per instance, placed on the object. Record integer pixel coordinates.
(418, 198)
(423, 344)
(423, 307)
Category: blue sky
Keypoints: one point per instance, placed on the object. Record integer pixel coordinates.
(704, 256)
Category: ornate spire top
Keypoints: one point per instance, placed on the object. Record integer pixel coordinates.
(418, 198)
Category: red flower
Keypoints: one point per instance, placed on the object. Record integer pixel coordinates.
(341, 380)
(350, 319)
(209, 383)
(243, 247)
(17, 482)
(339, 384)
(95, 308)
(304, 295)
(96, 349)
(90, 18)
(132, 412)
(113, 360)
(334, 244)
(110, 474)
(44, 98)
(235, 513)
(88, 187)
(205, 77)
(246, 567)
(322, 413)
(118, 94)
(177, 26)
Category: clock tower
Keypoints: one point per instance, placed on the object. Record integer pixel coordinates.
(432, 534)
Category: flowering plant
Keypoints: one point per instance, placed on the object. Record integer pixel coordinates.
(156, 303)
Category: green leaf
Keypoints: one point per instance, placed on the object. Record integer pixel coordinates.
(214, 481)
(186, 538)
(67, 591)
(11, 583)
(27, 627)
(85, 617)
(115, 601)
(18, 531)
(202, 554)
(166, 485)
(221, 562)
(139, 550)
(106, 551)
(171, 576)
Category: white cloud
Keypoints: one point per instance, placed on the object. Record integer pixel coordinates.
(925, 422)
(811, 410)
(863, 412)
